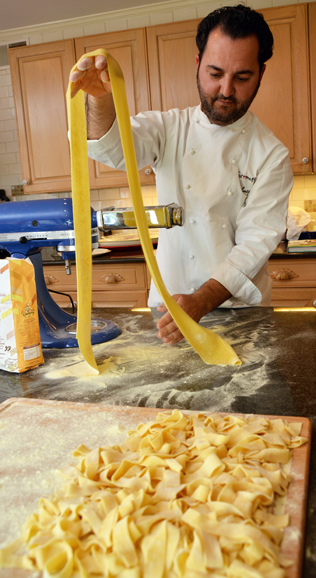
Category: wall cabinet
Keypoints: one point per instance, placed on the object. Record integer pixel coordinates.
(40, 75)
(283, 100)
(172, 68)
(293, 282)
(40, 79)
(113, 285)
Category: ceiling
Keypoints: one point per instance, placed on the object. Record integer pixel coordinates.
(21, 13)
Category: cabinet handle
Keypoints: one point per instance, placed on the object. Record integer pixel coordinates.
(50, 279)
(148, 171)
(283, 274)
(305, 160)
(25, 182)
(112, 278)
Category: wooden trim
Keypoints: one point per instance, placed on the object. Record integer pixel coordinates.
(312, 52)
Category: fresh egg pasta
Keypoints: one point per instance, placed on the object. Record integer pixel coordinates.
(182, 497)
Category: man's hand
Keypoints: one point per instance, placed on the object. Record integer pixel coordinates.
(208, 297)
(91, 76)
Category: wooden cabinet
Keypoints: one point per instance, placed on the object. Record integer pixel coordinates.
(40, 79)
(172, 68)
(129, 49)
(113, 285)
(40, 75)
(293, 282)
(283, 100)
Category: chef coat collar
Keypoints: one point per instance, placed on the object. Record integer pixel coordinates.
(239, 125)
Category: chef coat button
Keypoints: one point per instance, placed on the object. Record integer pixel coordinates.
(243, 131)
(234, 161)
(192, 151)
(191, 256)
(230, 193)
(198, 120)
(192, 221)
(188, 186)
(192, 289)
(224, 226)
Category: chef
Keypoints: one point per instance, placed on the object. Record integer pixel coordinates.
(217, 160)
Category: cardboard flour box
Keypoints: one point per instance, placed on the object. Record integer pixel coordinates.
(20, 342)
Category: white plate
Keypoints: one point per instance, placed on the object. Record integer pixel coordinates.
(126, 238)
(100, 251)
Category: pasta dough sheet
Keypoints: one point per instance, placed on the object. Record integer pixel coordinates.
(183, 496)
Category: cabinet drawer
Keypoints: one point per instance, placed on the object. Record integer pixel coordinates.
(57, 279)
(104, 277)
(119, 299)
(119, 277)
(301, 272)
(293, 297)
(123, 285)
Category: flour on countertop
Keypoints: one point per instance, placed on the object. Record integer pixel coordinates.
(141, 370)
(26, 474)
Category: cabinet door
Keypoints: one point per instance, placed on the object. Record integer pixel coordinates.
(129, 49)
(40, 79)
(172, 69)
(312, 51)
(283, 100)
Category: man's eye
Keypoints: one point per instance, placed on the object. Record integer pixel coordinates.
(242, 79)
(215, 75)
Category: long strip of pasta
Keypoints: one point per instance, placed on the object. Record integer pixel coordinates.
(210, 346)
(182, 497)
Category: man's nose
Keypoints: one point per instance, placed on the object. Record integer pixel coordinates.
(227, 87)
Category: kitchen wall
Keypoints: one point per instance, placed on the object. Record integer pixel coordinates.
(304, 191)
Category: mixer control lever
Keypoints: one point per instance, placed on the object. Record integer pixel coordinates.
(68, 266)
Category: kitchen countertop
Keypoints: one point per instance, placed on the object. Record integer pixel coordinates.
(132, 255)
(277, 376)
(135, 255)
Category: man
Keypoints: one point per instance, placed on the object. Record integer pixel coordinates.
(217, 160)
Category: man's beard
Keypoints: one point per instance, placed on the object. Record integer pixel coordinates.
(223, 117)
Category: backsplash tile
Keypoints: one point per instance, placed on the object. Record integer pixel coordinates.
(310, 206)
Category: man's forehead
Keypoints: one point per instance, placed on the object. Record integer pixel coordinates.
(221, 47)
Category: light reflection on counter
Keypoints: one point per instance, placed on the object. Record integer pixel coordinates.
(302, 309)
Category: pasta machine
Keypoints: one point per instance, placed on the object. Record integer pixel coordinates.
(28, 226)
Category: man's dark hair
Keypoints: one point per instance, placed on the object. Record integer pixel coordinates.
(237, 22)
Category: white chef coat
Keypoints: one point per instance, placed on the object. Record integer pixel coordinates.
(233, 183)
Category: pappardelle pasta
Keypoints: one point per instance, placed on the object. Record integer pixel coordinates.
(185, 496)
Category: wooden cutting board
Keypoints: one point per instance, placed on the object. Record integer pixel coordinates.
(37, 438)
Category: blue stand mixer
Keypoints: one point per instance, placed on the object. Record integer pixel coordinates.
(28, 226)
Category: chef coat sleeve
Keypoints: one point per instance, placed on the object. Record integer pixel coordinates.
(149, 141)
(260, 226)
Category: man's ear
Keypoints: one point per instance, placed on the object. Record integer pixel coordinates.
(262, 72)
(197, 61)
